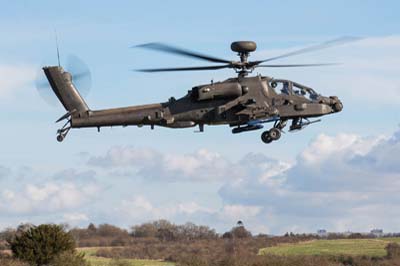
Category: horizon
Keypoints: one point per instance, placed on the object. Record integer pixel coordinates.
(220, 233)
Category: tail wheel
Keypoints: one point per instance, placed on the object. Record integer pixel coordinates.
(274, 133)
(265, 137)
(60, 137)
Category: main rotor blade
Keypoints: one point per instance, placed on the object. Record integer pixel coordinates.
(299, 65)
(182, 68)
(328, 44)
(179, 51)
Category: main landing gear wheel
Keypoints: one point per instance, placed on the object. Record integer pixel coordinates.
(270, 135)
(274, 133)
(265, 137)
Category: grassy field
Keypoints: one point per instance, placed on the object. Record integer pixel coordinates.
(354, 247)
(90, 255)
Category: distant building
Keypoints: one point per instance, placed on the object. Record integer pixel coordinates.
(322, 233)
(377, 232)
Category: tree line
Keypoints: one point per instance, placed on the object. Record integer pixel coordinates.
(183, 245)
(111, 235)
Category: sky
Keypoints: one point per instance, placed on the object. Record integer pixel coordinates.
(341, 174)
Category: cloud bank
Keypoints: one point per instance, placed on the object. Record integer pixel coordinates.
(341, 182)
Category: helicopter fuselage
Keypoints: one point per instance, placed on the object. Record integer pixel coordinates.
(244, 103)
(236, 102)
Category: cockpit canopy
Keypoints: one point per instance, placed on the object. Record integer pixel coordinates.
(282, 86)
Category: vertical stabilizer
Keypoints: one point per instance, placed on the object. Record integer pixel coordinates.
(62, 85)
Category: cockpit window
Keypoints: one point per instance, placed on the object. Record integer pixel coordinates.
(281, 86)
(299, 90)
(304, 91)
(288, 87)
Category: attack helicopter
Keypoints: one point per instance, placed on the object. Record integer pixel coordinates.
(244, 103)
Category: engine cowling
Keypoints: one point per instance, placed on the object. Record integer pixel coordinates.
(218, 91)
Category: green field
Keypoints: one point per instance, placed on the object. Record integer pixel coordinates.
(354, 247)
(90, 256)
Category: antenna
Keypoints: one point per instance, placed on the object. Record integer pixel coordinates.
(58, 51)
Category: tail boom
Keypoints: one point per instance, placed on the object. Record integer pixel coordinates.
(135, 115)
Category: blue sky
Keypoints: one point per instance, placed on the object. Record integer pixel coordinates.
(171, 173)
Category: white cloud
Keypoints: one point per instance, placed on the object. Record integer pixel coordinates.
(337, 181)
(15, 77)
(140, 209)
(188, 165)
(202, 165)
(46, 198)
(192, 207)
(238, 212)
(325, 146)
(71, 196)
(75, 217)
(125, 156)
